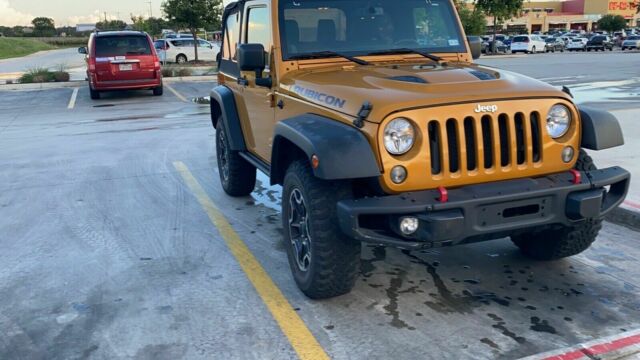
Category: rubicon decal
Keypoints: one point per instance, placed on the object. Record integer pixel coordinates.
(327, 99)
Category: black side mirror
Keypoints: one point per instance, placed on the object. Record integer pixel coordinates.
(251, 58)
(475, 45)
(82, 50)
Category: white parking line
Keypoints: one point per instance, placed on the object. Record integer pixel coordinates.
(72, 101)
(176, 93)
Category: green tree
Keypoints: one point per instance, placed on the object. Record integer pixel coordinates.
(43, 26)
(111, 25)
(194, 15)
(501, 10)
(473, 21)
(153, 26)
(612, 23)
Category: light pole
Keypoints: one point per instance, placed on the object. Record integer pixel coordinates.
(150, 8)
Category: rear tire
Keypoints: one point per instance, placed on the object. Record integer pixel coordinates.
(95, 95)
(238, 177)
(554, 244)
(181, 59)
(324, 262)
(158, 91)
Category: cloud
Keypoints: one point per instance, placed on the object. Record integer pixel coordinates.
(12, 17)
(84, 19)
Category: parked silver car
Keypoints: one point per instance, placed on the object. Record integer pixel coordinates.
(632, 42)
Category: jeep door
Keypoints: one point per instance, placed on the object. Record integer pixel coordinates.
(259, 100)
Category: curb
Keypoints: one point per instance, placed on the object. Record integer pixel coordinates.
(621, 346)
(625, 217)
(77, 83)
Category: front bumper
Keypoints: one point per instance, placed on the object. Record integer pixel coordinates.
(485, 211)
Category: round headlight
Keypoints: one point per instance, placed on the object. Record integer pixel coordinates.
(399, 136)
(558, 121)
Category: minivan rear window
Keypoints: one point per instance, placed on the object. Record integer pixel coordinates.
(520, 39)
(122, 46)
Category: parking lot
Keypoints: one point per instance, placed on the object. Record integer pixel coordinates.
(118, 242)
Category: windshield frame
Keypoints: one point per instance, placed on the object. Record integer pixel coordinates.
(461, 48)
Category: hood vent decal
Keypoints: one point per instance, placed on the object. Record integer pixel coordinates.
(483, 75)
(409, 78)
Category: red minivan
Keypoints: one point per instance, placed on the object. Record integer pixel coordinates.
(122, 60)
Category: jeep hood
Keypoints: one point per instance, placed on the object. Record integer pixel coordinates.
(393, 88)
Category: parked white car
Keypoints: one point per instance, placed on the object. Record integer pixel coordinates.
(632, 42)
(529, 44)
(577, 44)
(181, 50)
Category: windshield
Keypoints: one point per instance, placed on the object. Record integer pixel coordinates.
(122, 45)
(518, 39)
(633, 38)
(361, 27)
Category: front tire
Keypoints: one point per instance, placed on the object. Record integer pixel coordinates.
(238, 177)
(559, 243)
(323, 261)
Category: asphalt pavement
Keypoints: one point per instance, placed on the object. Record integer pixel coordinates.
(118, 243)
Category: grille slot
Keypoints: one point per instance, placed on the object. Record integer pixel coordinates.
(454, 150)
(434, 147)
(470, 142)
(473, 145)
(536, 138)
(504, 140)
(521, 146)
(487, 141)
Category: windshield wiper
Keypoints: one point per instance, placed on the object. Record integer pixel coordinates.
(323, 54)
(435, 58)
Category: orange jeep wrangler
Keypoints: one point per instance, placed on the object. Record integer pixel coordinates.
(380, 128)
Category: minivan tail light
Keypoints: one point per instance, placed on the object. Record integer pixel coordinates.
(156, 64)
(92, 65)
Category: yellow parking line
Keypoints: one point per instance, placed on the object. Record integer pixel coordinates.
(300, 337)
(175, 92)
(72, 101)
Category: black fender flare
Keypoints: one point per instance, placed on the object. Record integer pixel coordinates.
(600, 129)
(223, 106)
(344, 152)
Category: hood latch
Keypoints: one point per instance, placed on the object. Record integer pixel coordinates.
(363, 114)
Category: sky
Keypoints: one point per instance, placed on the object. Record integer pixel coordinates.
(72, 12)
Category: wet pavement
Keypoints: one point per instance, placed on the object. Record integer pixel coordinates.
(106, 254)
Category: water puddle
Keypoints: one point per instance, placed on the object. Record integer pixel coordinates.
(267, 195)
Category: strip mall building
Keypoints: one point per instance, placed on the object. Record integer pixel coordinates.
(567, 15)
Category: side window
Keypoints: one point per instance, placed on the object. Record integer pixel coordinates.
(231, 36)
(203, 44)
(259, 29)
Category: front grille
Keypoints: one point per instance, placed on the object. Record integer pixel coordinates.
(483, 144)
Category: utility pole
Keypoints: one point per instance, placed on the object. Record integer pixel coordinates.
(150, 8)
(105, 16)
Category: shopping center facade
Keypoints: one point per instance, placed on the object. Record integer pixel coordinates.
(547, 16)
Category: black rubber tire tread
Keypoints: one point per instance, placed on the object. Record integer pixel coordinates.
(242, 175)
(95, 95)
(335, 258)
(553, 244)
(158, 91)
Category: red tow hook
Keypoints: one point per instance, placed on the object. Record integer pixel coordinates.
(444, 194)
(577, 176)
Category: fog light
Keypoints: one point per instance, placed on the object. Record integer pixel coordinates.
(567, 154)
(409, 225)
(398, 174)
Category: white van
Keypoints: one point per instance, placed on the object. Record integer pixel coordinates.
(529, 44)
(181, 50)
